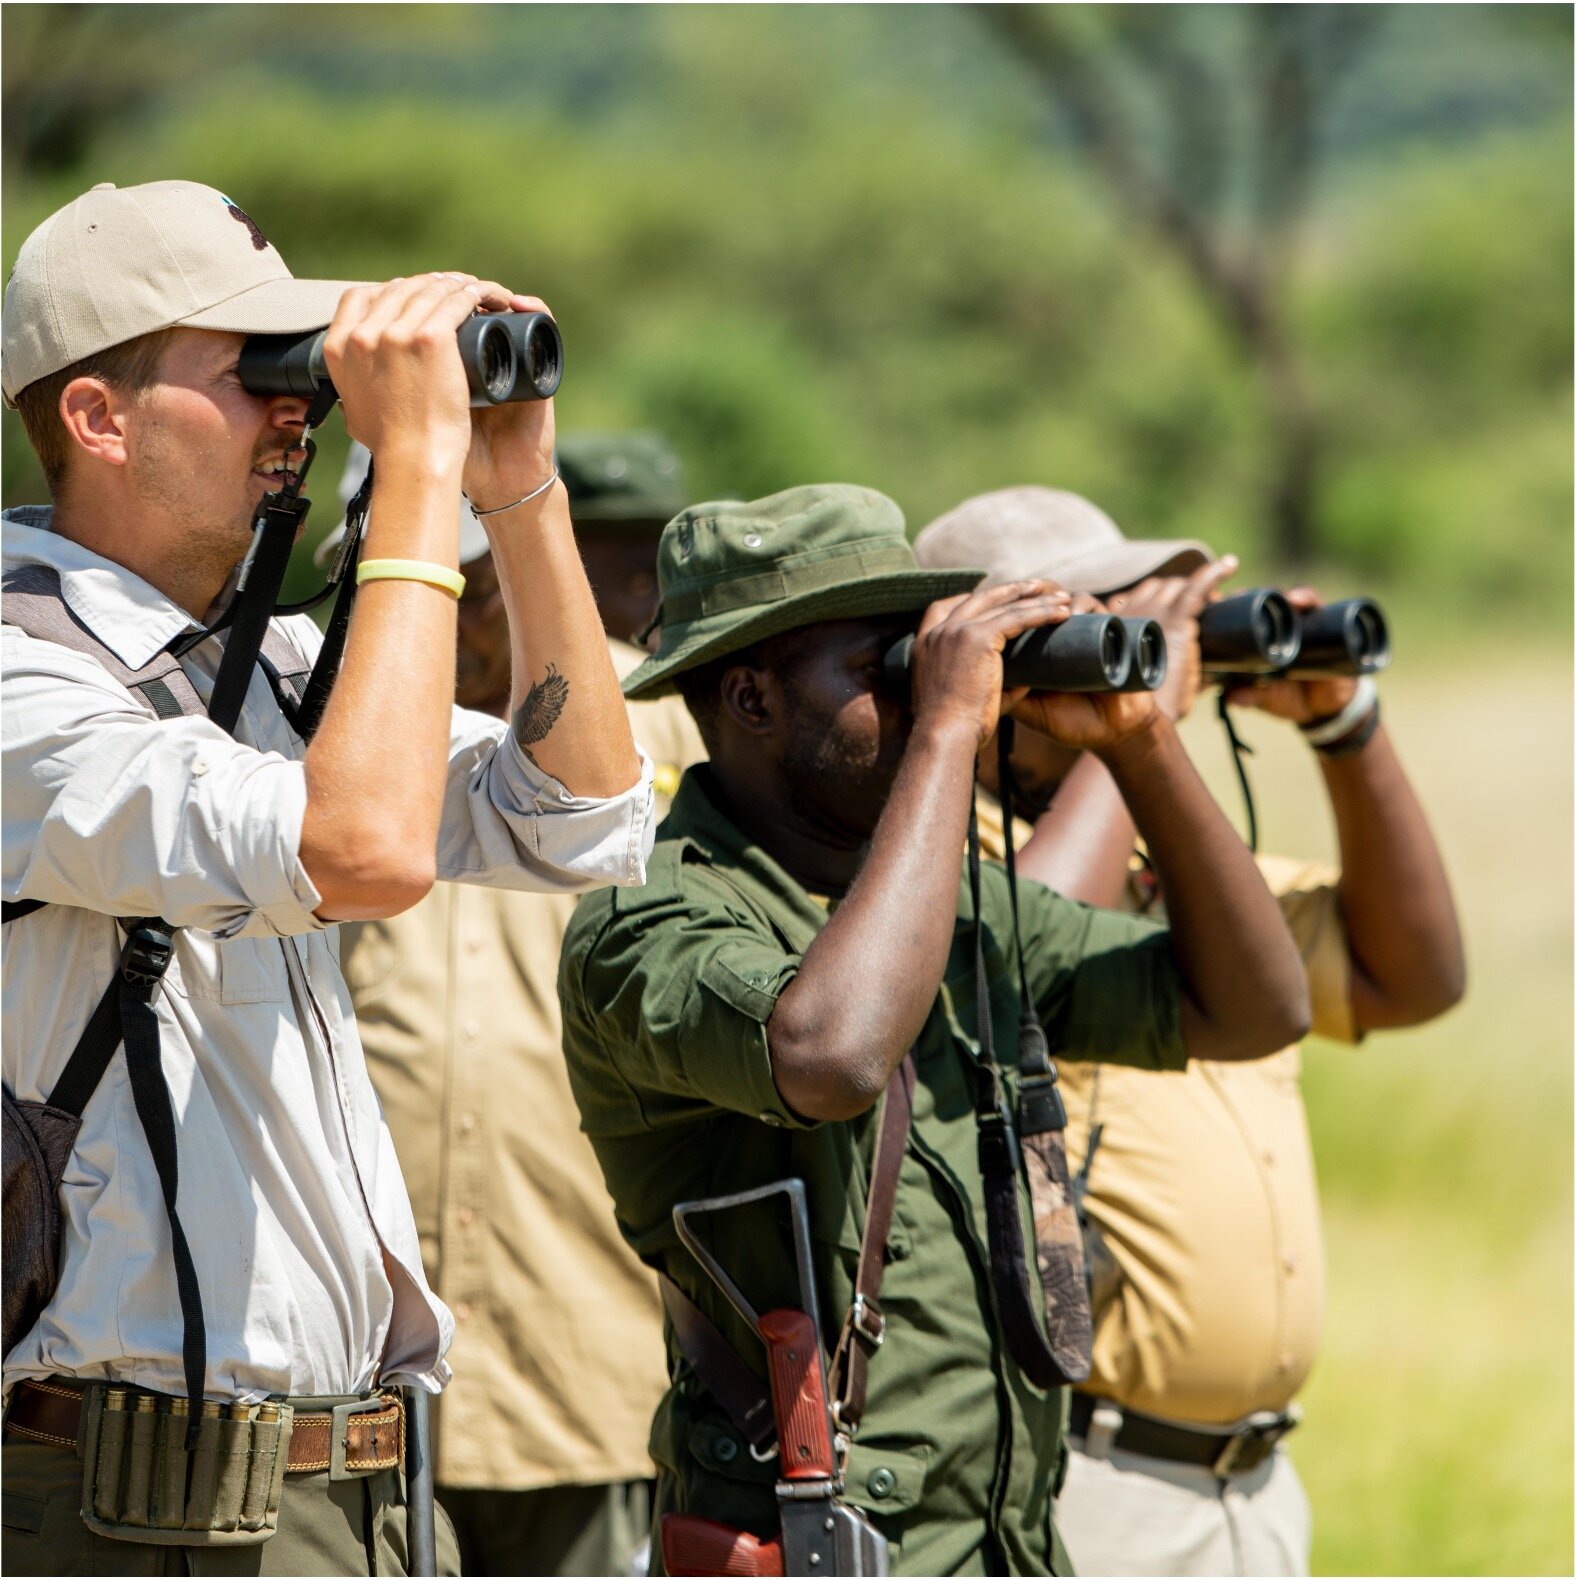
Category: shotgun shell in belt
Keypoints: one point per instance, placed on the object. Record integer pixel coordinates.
(267, 1412)
(114, 1398)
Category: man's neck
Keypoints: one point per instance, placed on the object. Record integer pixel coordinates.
(107, 529)
(814, 857)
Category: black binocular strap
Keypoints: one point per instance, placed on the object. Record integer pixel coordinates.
(1240, 750)
(254, 607)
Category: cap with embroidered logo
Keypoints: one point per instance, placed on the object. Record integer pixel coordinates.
(120, 262)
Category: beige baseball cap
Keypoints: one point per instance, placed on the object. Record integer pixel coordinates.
(1017, 533)
(119, 262)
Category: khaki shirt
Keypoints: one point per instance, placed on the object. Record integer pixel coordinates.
(1203, 1188)
(667, 992)
(557, 1356)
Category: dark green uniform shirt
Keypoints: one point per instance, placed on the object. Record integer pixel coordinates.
(666, 992)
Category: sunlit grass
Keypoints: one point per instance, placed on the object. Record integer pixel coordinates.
(1439, 1419)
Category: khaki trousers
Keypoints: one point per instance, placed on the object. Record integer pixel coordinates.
(351, 1527)
(567, 1530)
(1126, 1514)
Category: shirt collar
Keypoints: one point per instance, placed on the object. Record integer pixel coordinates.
(696, 816)
(130, 617)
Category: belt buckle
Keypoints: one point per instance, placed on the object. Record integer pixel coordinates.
(339, 1434)
(1260, 1432)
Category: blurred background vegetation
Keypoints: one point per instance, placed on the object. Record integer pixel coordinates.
(1296, 280)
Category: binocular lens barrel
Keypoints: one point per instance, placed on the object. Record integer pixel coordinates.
(507, 357)
(1251, 633)
(1345, 638)
(1146, 641)
(1085, 652)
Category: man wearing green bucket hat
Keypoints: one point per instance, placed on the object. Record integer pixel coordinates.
(794, 995)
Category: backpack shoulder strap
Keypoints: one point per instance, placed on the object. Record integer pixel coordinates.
(35, 604)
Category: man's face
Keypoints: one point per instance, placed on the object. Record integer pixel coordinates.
(843, 729)
(621, 565)
(204, 451)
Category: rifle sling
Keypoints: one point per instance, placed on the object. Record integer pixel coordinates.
(724, 1373)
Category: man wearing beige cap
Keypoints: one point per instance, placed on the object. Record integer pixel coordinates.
(240, 1290)
(1200, 1196)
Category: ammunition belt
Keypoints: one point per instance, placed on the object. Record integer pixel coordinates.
(373, 1440)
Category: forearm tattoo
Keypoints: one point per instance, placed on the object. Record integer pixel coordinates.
(536, 716)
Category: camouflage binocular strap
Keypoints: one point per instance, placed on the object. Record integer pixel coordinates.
(1059, 1352)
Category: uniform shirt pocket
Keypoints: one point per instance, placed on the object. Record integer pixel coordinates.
(229, 970)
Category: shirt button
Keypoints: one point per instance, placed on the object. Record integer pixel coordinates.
(882, 1483)
(1269, 1158)
(473, 945)
(1289, 1262)
(462, 1311)
(467, 1216)
(467, 1123)
(473, 1029)
(726, 1450)
(1283, 1364)
(199, 768)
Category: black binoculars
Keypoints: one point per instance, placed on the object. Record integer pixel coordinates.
(507, 357)
(1084, 652)
(1259, 633)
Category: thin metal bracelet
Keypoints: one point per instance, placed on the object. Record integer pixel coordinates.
(1363, 700)
(524, 499)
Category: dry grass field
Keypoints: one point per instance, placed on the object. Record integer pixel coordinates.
(1438, 1437)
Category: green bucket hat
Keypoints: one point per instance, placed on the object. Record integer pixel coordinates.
(733, 573)
(620, 477)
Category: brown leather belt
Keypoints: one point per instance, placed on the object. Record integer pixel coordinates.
(373, 1431)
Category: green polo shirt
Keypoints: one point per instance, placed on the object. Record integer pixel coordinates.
(666, 993)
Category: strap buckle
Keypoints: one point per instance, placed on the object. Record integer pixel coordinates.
(1253, 1442)
(146, 956)
(339, 1433)
(866, 1319)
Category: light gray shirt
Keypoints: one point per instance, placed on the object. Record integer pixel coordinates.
(290, 1193)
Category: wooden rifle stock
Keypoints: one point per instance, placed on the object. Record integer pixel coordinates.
(692, 1545)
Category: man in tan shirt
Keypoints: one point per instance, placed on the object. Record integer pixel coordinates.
(1203, 1215)
(558, 1361)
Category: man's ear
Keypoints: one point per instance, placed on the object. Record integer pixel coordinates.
(746, 691)
(95, 416)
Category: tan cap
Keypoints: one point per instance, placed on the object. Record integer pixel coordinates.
(1017, 533)
(120, 262)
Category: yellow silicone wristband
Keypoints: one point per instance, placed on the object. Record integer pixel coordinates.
(411, 571)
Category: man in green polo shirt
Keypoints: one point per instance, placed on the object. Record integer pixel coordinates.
(804, 926)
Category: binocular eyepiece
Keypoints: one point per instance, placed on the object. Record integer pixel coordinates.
(1084, 652)
(507, 357)
(1259, 633)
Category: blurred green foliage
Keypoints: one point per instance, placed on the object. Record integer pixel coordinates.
(845, 243)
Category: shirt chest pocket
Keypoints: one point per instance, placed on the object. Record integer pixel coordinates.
(228, 971)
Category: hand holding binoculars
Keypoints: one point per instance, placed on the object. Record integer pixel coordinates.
(1259, 633)
(507, 357)
(1084, 652)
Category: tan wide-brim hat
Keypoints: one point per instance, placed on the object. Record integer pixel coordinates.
(1019, 533)
(120, 262)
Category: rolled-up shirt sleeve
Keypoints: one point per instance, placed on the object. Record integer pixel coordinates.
(110, 809)
(509, 825)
